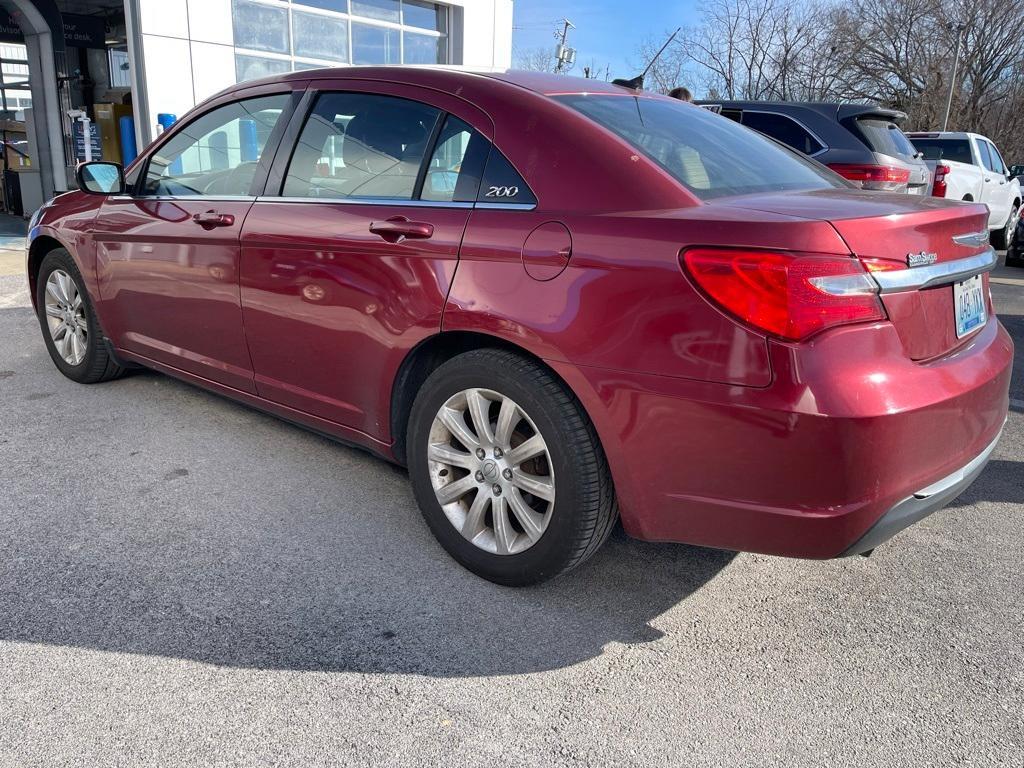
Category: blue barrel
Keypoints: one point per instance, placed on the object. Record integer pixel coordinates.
(166, 120)
(248, 141)
(129, 149)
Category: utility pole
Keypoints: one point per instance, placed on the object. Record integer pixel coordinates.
(564, 54)
(952, 79)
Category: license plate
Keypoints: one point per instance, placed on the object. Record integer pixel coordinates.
(969, 305)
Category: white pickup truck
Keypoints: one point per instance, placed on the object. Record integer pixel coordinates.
(967, 166)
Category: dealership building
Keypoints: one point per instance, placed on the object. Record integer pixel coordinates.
(99, 78)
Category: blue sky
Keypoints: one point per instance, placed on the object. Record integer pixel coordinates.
(607, 31)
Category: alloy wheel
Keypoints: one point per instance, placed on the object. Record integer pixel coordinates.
(65, 317)
(491, 471)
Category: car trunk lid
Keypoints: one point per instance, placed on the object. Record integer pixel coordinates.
(946, 243)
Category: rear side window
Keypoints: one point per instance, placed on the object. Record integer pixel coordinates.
(708, 154)
(784, 129)
(884, 137)
(361, 145)
(957, 150)
(453, 173)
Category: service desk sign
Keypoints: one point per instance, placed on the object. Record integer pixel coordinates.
(79, 31)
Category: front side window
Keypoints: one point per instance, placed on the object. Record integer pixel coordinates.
(997, 161)
(784, 129)
(708, 154)
(360, 145)
(218, 153)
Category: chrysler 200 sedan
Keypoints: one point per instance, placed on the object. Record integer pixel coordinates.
(558, 302)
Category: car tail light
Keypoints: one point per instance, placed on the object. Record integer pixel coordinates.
(785, 294)
(939, 186)
(878, 177)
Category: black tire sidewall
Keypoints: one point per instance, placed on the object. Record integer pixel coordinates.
(61, 259)
(550, 555)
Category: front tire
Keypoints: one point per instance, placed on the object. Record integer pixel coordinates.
(1003, 238)
(507, 469)
(69, 324)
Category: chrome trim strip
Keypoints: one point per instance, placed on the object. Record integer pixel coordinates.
(972, 239)
(187, 198)
(955, 477)
(936, 274)
(506, 206)
(395, 203)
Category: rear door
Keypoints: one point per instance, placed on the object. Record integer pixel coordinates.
(348, 257)
(168, 252)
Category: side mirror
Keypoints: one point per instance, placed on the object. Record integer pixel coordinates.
(100, 178)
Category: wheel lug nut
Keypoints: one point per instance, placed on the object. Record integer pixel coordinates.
(480, 453)
(497, 489)
(507, 474)
(498, 453)
(479, 476)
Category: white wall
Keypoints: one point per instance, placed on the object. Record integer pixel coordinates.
(188, 53)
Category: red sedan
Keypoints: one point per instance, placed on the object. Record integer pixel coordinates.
(559, 302)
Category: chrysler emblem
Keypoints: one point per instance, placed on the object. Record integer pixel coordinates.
(922, 259)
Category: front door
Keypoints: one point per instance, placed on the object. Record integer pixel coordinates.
(168, 255)
(349, 268)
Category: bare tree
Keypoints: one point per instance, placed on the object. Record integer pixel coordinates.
(535, 59)
(897, 53)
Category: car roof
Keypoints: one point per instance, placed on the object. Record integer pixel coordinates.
(940, 134)
(448, 78)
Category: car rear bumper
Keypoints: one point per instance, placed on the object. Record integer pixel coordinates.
(922, 503)
(847, 434)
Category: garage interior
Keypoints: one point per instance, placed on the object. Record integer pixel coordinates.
(65, 86)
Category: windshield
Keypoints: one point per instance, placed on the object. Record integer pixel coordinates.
(710, 155)
(958, 150)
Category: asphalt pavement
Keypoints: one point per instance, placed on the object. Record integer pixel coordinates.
(184, 581)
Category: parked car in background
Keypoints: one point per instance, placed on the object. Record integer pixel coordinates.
(556, 300)
(861, 143)
(967, 166)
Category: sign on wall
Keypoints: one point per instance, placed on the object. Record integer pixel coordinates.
(79, 31)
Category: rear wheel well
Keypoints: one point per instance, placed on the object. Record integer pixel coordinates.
(969, 198)
(427, 357)
(41, 246)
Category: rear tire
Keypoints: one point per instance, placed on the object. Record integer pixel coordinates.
(483, 522)
(71, 330)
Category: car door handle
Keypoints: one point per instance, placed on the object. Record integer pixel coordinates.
(398, 228)
(213, 219)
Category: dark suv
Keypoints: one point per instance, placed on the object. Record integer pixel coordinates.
(860, 142)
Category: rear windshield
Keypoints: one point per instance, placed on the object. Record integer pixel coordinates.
(708, 154)
(885, 137)
(957, 150)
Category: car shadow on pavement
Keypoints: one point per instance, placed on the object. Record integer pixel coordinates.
(999, 482)
(197, 529)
